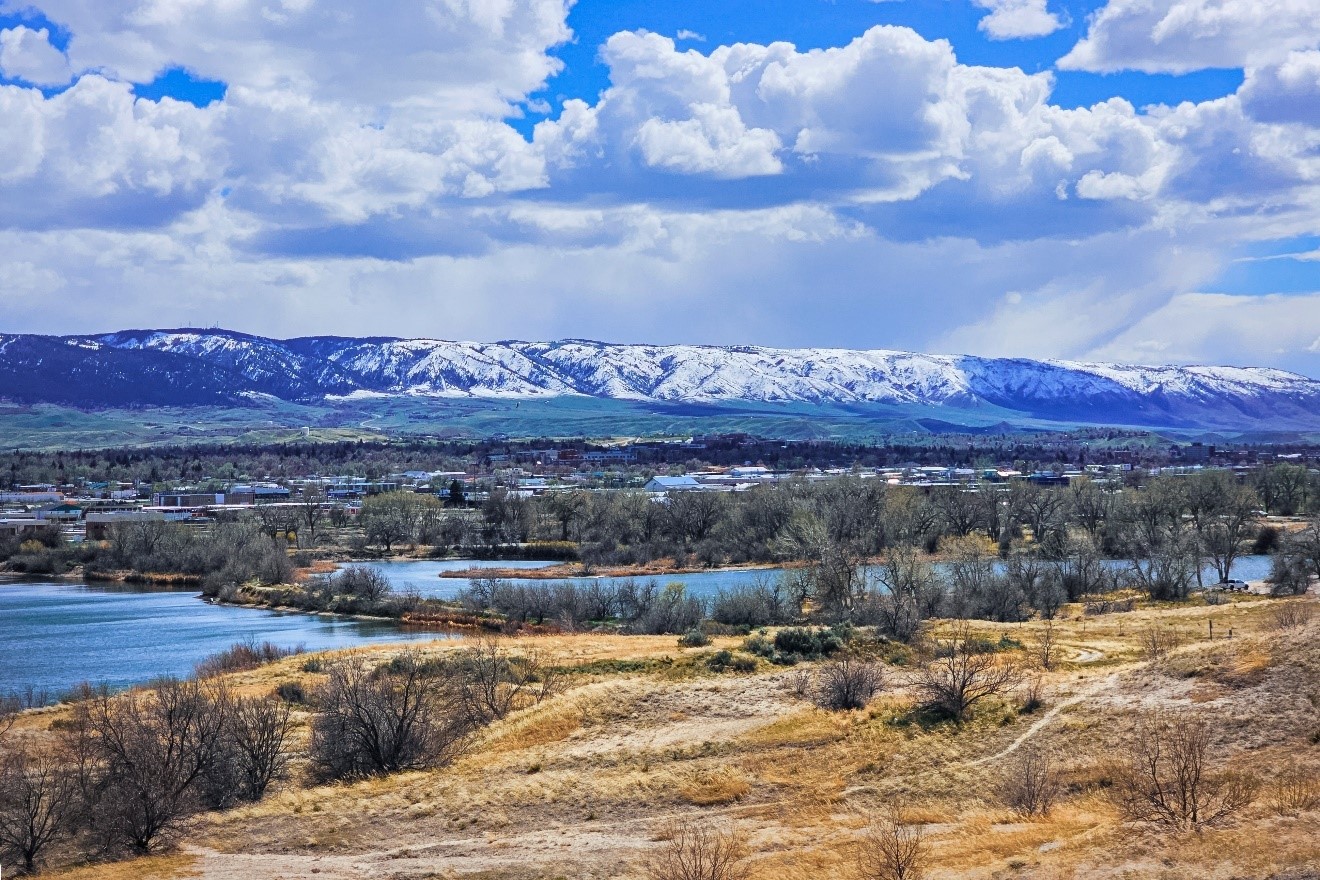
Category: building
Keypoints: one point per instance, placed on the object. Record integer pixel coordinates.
(187, 499)
(100, 525)
(672, 484)
(19, 526)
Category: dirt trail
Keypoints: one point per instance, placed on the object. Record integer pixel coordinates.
(1044, 720)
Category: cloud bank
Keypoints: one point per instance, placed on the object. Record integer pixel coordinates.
(362, 174)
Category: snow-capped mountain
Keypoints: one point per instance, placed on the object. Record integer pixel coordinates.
(217, 367)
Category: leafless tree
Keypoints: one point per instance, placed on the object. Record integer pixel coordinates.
(960, 673)
(1047, 648)
(491, 683)
(1223, 513)
(254, 751)
(1168, 781)
(892, 849)
(848, 684)
(910, 592)
(378, 721)
(38, 797)
(141, 757)
(694, 851)
(9, 709)
(312, 509)
(1032, 785)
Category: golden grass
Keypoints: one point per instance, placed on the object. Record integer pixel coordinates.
(578, 785)
(707, 787)
(175, 866)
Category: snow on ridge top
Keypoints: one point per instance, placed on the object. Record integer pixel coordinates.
(1185, 379)
(335, 367)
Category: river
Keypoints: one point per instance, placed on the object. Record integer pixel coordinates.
(424, 577)
(55, 634)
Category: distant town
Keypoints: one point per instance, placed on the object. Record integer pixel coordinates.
(90, 504)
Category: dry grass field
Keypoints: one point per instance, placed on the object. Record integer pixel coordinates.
(589, 783)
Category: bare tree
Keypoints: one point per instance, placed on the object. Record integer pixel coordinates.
(692, 851)
(910, 592)
(312, 509)
(253, 754)
(1168, 781)
(960, 674)
(38, 797)
(142, 756)
(374, 722)
(848, 684)
(1031, 786)
(1223, 514)
(1047, 647)
(892, 849)
(491, 683)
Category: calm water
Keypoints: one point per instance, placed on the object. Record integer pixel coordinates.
(55, 635)
(423, 577)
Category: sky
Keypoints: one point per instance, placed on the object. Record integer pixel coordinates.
(1117, 180)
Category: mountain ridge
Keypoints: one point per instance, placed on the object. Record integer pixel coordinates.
(208, 367)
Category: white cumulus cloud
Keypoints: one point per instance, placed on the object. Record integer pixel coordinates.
(28, 55)
(1177, 36)
(1018, 19)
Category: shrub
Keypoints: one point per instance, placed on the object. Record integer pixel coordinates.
(1097, 607)
(671, 611)
(693, 638)
(377, 722)
(145, 756)
(1168, 782)
(291, 692)
(892, 849)
(38, 804)
(243, 656)
(1294, 791)
(723, 661)
(808, 644)
(761, 604)
(760, 645)
(253, 752)
(360, 582)
(960, 674)
(848, 684)
(697, 852)
(490, 684)
(1031, 786)
(1291, 615)
(1156, 643)
(1033, 697)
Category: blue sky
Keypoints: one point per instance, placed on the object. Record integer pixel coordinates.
(928, 174)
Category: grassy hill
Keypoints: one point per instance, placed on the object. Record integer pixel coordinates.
(644, 738)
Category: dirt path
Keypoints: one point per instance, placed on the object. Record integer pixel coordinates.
(1044, 720)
